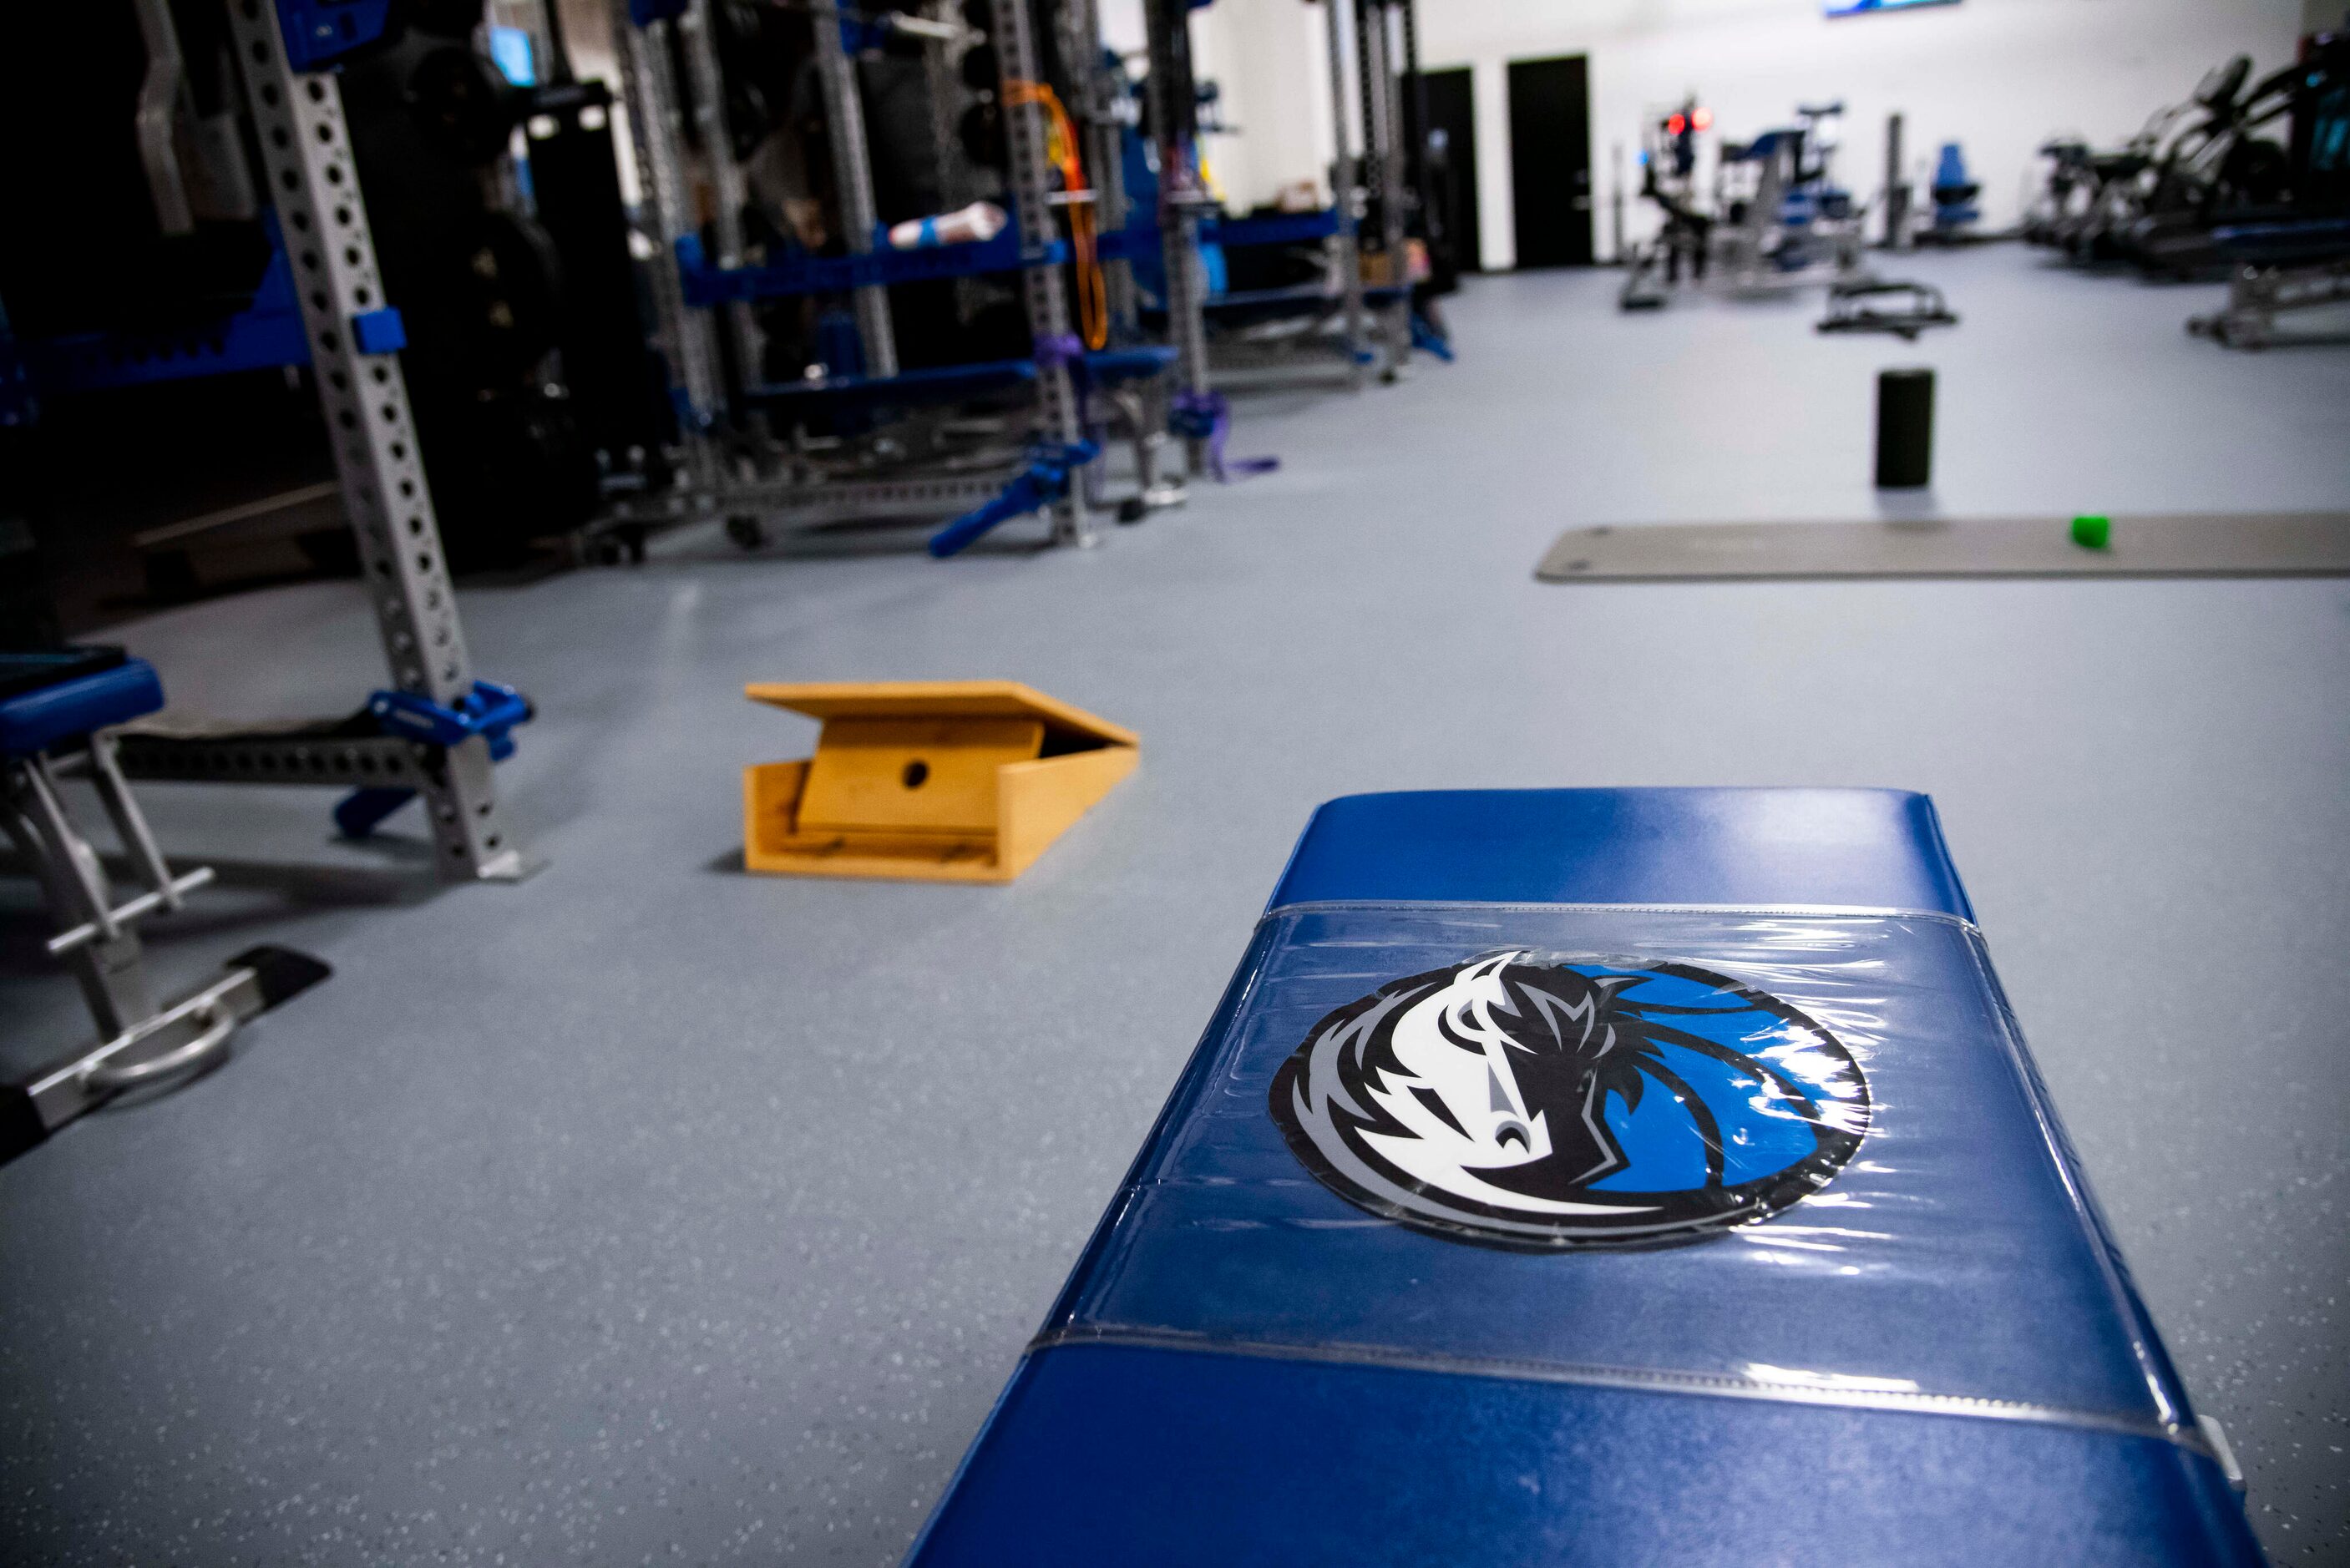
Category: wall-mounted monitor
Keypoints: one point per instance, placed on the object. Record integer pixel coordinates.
(1863, 7)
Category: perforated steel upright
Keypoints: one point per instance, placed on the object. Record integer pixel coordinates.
(305, 147)
(727, 189)
(1383, 169)
(1102, 93)
(1174, 126)
(1058, 417)
(656, 130)
(852, 169)
(1346, 198)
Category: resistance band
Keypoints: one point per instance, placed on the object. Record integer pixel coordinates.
(1061, 147)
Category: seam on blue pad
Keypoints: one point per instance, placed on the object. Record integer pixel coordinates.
(1834, 911)
(1719, 1385)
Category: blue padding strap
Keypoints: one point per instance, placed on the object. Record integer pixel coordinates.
(1751, 848)
(35, 721)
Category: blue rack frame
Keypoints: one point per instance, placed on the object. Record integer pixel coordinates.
(705, 285)
(1144, 240)
(1098, 366)
(320, 32)
(266, 333)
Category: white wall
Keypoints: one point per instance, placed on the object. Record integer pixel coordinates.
(1122, 25)
(1255, 52)
(1271, 59)
(1998, 75)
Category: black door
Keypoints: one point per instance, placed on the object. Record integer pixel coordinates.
(1452, 165)
(1550, 159)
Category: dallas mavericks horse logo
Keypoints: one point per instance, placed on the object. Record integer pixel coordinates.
(1536, 1103)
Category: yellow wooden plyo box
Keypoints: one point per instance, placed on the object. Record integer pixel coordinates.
(945, 781)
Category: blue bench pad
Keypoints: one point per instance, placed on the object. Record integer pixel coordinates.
(1935, 1356)
(35, 721)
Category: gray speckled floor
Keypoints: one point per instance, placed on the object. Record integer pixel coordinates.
(652, 1213)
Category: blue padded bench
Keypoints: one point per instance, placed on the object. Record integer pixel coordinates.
(1601, 1176)
(48, 698)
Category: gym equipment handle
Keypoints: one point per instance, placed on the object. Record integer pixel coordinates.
(219, 1025)
(65, 941)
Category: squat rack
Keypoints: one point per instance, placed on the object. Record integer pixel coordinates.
(702, 300)
(436, 732)
(1374, 187)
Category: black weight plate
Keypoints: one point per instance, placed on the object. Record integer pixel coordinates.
(980, 73)
(507, 284)
(981, 134)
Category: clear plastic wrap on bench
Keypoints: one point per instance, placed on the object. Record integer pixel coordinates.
(1799, 1155)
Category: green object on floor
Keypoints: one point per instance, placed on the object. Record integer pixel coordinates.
(2093, 533)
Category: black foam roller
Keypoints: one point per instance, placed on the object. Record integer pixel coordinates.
(1904, 430)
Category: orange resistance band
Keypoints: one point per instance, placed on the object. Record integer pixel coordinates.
(1061, 147)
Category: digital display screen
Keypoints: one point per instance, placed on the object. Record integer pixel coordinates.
(1862, 8)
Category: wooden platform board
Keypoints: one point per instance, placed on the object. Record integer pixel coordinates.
(2247, 544)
